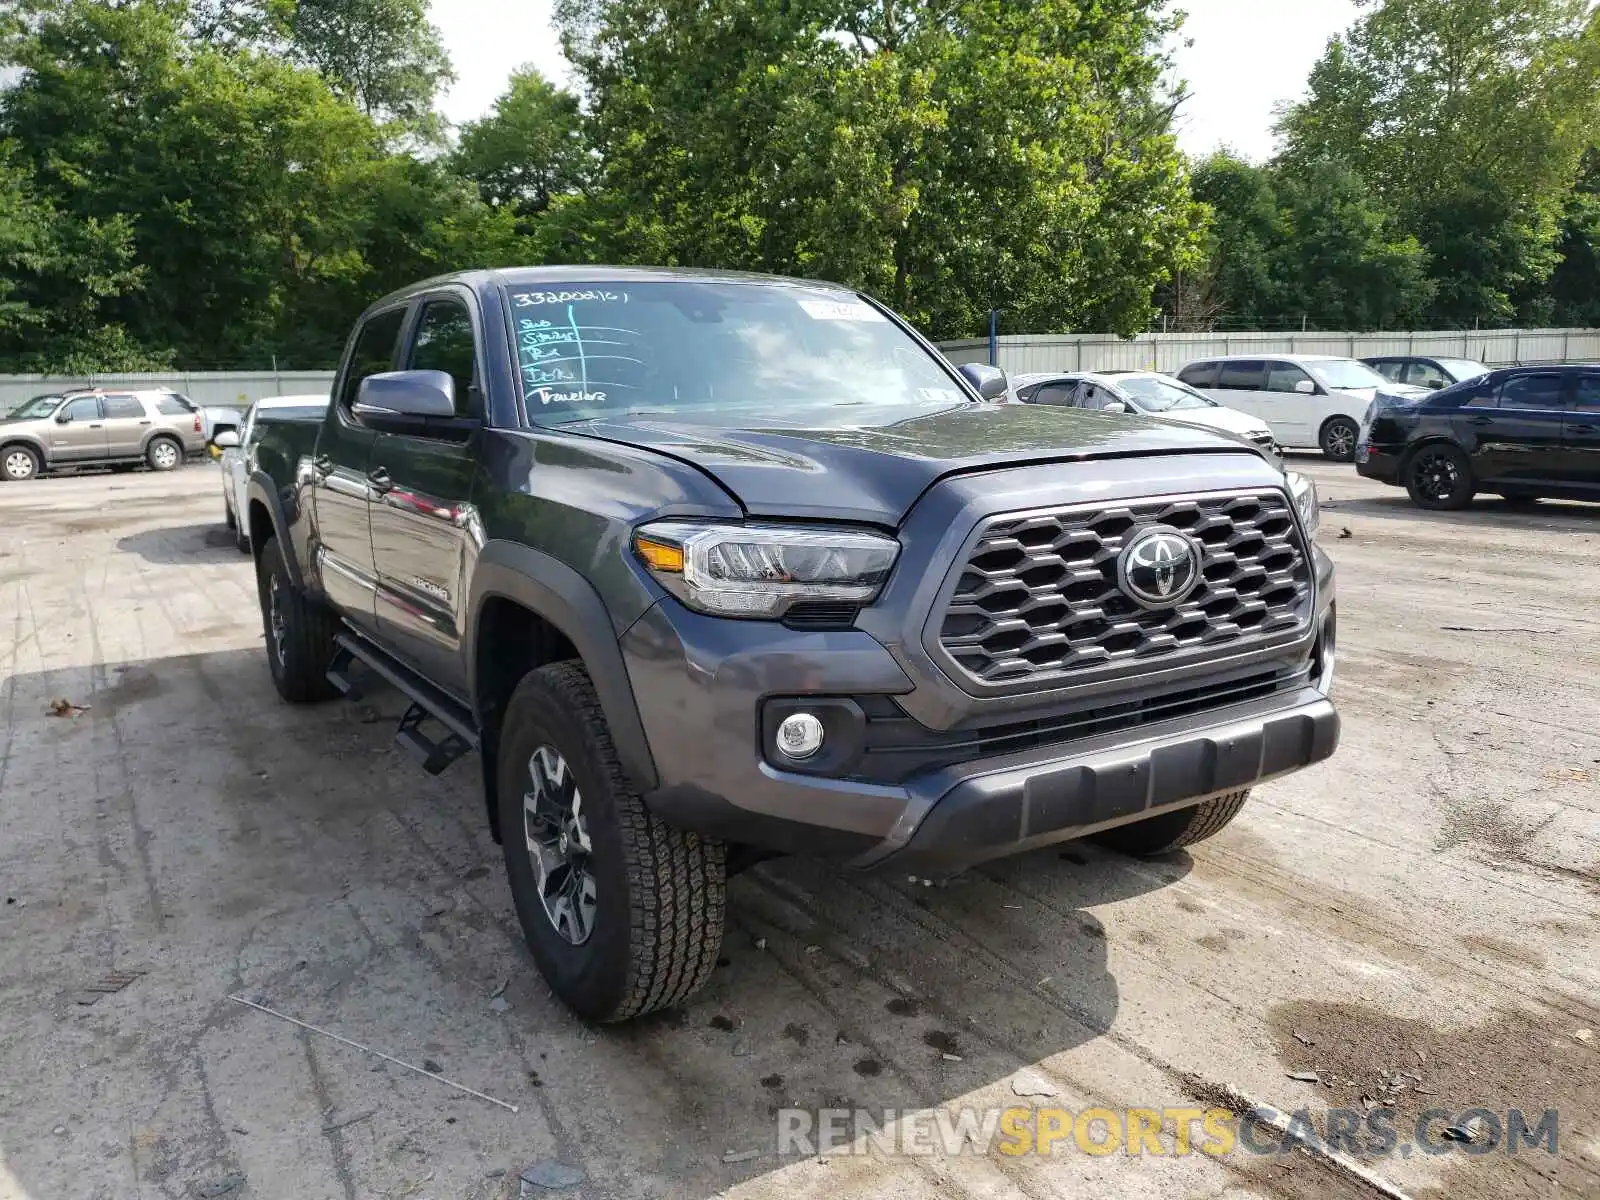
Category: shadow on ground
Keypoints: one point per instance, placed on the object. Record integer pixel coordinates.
(227, 842)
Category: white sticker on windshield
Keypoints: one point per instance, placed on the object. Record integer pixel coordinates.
(840, 310)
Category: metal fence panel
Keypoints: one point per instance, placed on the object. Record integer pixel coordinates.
(234, 389)
(1024, 353)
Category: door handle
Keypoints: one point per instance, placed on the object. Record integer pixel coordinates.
(96, 425)
(144, 422)
(1483, 420)
(380, 481)
(322, 465)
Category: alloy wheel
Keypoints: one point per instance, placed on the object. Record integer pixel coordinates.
(1340, 441)
(1437, 475)
(557, 834)
(18, 465)
(277, 620)
(165, 455)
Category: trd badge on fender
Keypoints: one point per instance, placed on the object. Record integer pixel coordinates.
(1159, 567)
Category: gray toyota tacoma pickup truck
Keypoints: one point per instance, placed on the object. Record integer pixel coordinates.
(707, 567)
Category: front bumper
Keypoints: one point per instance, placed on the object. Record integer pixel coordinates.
(991, 809)
(702, 682)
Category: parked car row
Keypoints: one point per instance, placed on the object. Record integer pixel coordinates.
(1305, 401)
(158, 428)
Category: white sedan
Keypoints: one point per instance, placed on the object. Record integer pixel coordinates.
(235, 446)
(1147, 393)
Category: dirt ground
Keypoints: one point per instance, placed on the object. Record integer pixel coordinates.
(1417, 921)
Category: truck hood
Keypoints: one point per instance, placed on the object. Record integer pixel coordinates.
(854, 464)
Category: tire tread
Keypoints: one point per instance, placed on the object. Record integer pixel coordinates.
(676, 879)
(1172, 831)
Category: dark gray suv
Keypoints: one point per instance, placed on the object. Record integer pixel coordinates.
(707, 567)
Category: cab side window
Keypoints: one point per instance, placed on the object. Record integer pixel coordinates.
(84, 408)
(373, 353)
(1588, 398)
(1243, 376)
(1057, 394)
(444, 342)
(122, 408)
(1199, 375)
(1389, 369)
(1541, 391)
(1284, 377)
(1426, 375)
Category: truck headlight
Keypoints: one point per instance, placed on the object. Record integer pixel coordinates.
(759, 571)
(1304, 492)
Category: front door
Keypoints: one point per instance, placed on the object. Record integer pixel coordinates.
(1290, 405)
(1519, 438)
(343, 546)
(423, 521)
(126, 424)
(82, 435)
(1581, 457)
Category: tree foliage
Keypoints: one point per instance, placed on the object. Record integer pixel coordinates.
(1467, 118)
(529, 149)
(1290, 245)
(949, 156)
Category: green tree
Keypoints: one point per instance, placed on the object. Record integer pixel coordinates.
(529, 150)
(1574, 289)
(381, 54)
(949, 155)
(263, 210)
(56, 278)
(1467, 119)
(1290, 244)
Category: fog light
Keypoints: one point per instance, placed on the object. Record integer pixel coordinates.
(799, 735)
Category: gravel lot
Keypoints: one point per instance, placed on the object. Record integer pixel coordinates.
(1427, 902)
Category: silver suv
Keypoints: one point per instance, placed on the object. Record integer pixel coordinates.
(158, 428)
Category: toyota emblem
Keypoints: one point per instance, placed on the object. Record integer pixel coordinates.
(1159, 567)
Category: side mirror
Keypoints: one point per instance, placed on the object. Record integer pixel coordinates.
(1436, 385)
(226, 439)
(1116, 406)
(1306, 388)
(989, 382)
(404, 399)
(63, 417)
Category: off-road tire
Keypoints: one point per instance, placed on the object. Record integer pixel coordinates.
(1174, 830)
(26, 458)
(155, 451)
(659, 890)
(299, 660)
(1337, 439)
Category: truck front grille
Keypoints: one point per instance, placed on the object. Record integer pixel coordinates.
(1037, 601)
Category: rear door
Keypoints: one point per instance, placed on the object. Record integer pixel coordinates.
(1241, 384)
(422, 513)
(81, 435)
(1519, 437)
(126, 424)
(341, 487)
(1581, 456)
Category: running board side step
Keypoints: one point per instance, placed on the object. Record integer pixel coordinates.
(435, 753)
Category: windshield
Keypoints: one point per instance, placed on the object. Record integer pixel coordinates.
(1162, 395)
(39, 406)
(1462, 369)
(1346, 373)
(606, 349)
